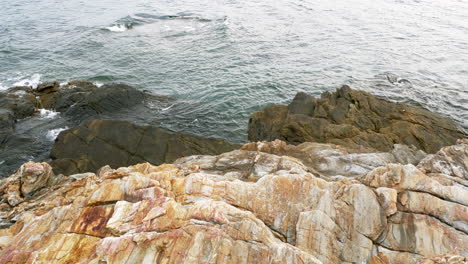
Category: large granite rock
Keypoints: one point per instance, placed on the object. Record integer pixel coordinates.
(353, 118)
(119, 143)
(245, 206)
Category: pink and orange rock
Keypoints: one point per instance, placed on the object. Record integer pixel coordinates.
(265, 203)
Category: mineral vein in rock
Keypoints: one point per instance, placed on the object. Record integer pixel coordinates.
(264, 203)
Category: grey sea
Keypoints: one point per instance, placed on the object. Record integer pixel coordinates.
(227, 59)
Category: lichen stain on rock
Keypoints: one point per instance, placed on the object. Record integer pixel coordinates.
(92, 221)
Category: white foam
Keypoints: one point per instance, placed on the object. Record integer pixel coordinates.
(33, 81)
(226, 21)
(63, 83)
(53, 133)
(48, 114)
(19, 92)
(98, 84)
(2, 87)
(117, 28)
(167, 108)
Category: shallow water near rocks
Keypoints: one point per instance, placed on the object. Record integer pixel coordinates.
(226, 59)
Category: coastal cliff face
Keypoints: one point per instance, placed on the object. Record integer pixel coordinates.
(267, 202)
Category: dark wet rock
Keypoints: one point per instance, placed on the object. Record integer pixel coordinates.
(107, 99)
(76, 99)
(353, 118)
(80, 100)
(24, 134)
(20, 101)
(48, 87)
(7, 121)
(121, 143)
(69, 94)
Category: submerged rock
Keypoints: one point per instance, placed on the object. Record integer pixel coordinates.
(252, 205)
(353, 118)
(122, 143)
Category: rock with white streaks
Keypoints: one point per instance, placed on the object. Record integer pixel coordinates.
(264, 203)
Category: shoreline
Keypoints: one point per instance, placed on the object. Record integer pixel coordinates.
(347, 177)
(54, 107)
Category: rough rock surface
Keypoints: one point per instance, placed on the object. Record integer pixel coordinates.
(253, 205)
(334, 161)
(121, 143)
(353, 118)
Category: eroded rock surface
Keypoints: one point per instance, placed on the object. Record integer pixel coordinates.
(253, 205)
(353, 118)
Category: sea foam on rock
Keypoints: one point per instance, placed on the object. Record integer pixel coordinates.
(257, 204)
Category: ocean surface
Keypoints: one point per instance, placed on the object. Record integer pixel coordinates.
(227, 59)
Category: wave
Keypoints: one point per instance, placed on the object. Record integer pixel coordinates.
(138, 19)
(124, 24)
(53, 133)
(117, 28)
(33, 81)
(98, 84)
(47, 114)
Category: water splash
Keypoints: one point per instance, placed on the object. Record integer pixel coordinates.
(32, 81)
(53, 133)
(48, 114)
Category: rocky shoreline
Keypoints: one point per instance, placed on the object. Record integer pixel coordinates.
(73, 104)
(353, 118)
(345, 178)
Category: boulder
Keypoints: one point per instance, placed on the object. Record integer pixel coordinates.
(122, 143)
(21, 101)
(48, 87)
(353, 118)
(67, 95)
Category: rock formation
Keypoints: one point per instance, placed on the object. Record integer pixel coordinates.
(76, 99)
(264, 203)
(121, 143)
(76, 102)
(353, 118)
